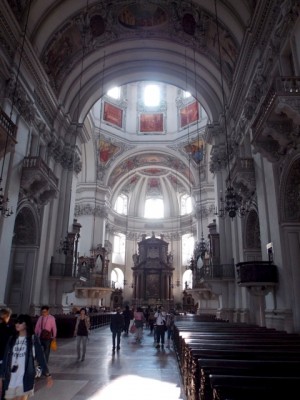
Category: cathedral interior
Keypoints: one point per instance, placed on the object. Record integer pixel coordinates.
(150, 155)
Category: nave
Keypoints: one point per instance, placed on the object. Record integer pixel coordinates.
(136, 371)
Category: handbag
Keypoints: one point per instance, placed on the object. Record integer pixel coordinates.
(45, 335)
(53, 345)
(132, 328)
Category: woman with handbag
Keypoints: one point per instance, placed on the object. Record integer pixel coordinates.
(81, 332)
(18, 370)
(139, 320)
(46, 330)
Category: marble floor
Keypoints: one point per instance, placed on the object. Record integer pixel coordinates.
(136, 371)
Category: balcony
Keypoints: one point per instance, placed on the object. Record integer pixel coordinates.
(256, 273)
(223, 272)
(243, 176)
(38, 181)
(273, 124)
(8, 133)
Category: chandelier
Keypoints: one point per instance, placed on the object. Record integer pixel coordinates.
(232, 204)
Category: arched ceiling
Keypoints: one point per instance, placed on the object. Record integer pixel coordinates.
(125, 41)
(88, 47)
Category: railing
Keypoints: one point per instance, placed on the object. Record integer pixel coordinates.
(7, 124)
(36, 163)
(281, 86)
(252, 273)
(210, 272)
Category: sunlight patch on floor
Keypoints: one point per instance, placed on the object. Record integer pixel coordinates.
(133, 387)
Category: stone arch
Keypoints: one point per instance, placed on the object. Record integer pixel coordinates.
(26, 230)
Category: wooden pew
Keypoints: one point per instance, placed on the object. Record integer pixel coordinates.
(209, 367)
(239, 387)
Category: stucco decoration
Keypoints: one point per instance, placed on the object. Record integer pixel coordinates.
(151, 160)
(101, 26)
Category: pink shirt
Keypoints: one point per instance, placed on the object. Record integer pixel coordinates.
(48, 322)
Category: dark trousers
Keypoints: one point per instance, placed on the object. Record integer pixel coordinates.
(160, 334)
(46, 346)
(116, 334)
(126, 327)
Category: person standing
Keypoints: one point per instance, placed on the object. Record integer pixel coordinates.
(160, 317)
(170, 319)
(139, 320)
(7, 329)
(17, 371)
(117, 324)
(127, 317)
(46, 330)
(81, 332)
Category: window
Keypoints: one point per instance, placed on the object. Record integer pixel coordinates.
(187, 280)
(154, 208)
(185, 204)
(151, 95)
(121, 204)
(117, 278)
(188, 243)
(114, 93)
(186, 95)
(118, 254)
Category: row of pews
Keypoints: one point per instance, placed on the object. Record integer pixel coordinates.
(219, 360)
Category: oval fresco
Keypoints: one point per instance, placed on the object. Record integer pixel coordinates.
(142, 16)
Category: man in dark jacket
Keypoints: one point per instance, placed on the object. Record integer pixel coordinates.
(116, 326)
(7, 329)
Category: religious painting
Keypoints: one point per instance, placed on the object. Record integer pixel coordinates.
(189, 114)
(195, 148)
(152, 286)
(106, 150)
(113, 115)
(63, 47)
(142, 16)
(152, 123)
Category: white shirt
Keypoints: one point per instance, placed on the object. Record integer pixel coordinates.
(160, 317)
(18, 359)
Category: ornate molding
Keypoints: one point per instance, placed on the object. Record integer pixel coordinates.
(38, 182)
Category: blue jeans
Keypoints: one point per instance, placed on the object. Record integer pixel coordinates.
(46, 346)
(79, 340)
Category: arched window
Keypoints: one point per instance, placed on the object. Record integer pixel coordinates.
(185, 204)
(114, 93)
(118, 254)
(188, 243)
(117, 278)
(151, 95)
(121, 204)
(154, 208)
(187, 280)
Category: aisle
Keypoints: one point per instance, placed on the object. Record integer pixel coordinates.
(136, 371)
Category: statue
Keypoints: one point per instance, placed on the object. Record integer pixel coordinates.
(135, 258)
